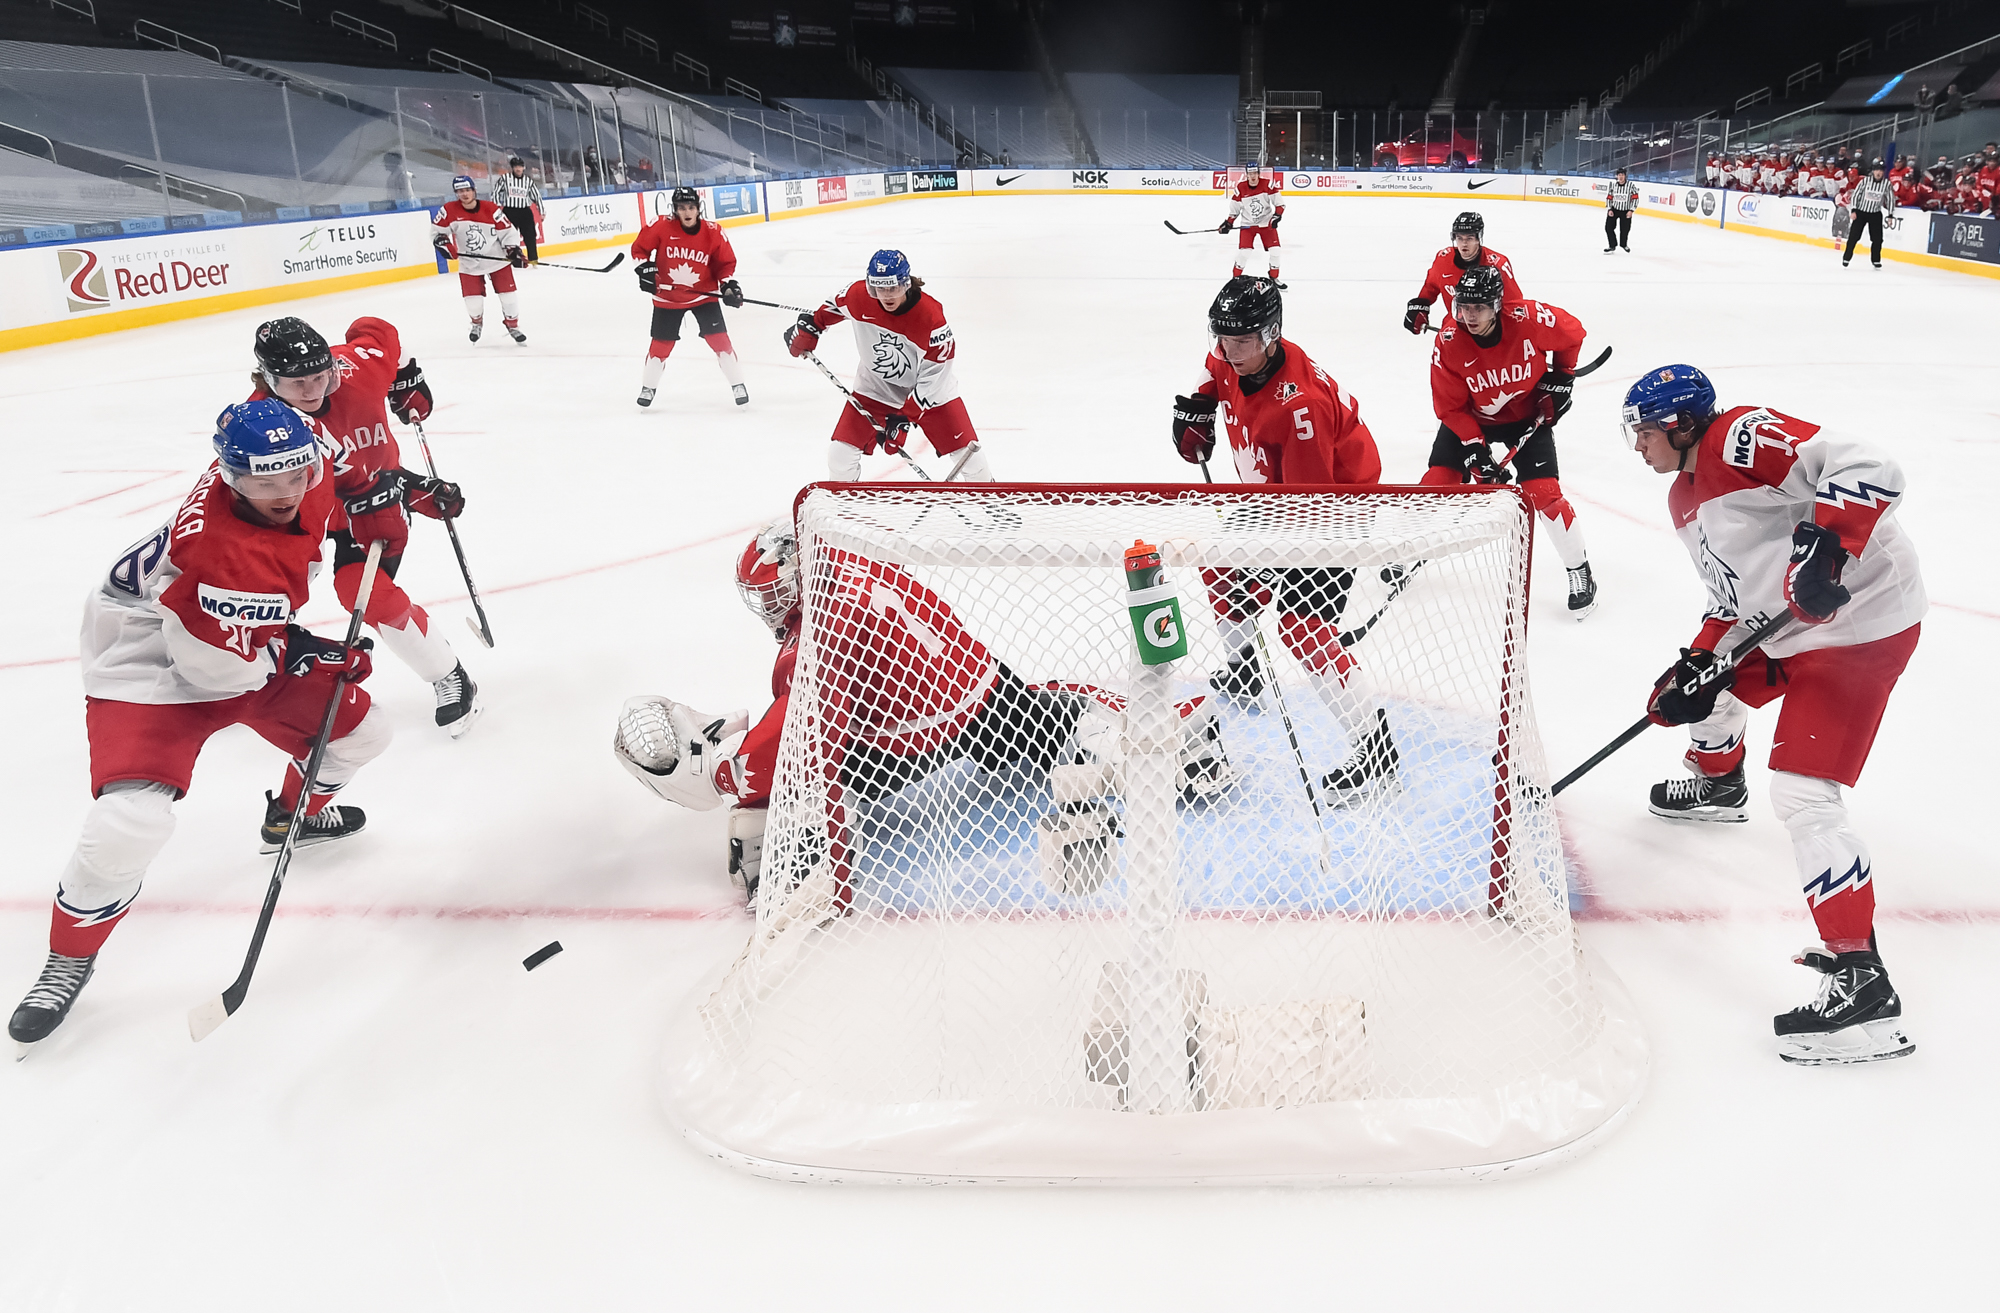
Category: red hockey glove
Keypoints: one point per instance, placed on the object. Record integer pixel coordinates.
(1812, 581)
(1227, 224)
(1417, 315)
(409, 395)
(1194, 428)
(302, 650)
(435, 498)
(1673, 703)
(802, 336)
(896, 433)
(442, 241)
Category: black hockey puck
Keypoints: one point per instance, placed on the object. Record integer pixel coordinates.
(541, 955)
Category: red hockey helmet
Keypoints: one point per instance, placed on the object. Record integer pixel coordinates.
(767, 576)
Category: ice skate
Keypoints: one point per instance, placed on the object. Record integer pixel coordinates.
(646, 396)
(1368, 770)
(331, 823)
(1703, 798)
(514, 331)
(1856, 1018)
(477, 329)
(742, 394)
(48, 1002)
(458, 702)
(1242, 680)
(1582, 592)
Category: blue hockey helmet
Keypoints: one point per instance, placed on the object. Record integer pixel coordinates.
(261, 443)
(888, 270)
(1672, 396)
(463, 183)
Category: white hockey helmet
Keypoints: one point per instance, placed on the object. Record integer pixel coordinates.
(767, 576)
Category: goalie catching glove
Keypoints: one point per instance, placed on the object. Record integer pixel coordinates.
(1812, 581)
(1194, 428)
(1673, 704)
(685, 756)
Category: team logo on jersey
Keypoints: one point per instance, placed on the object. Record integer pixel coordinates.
(683, 275)
(1287, 390)
(890, 360)
(242, 613)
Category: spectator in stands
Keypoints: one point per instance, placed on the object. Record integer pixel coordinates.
(1006, 158)
(1953, 104)
(1925, 99)
(593, 168)
(1942, 174)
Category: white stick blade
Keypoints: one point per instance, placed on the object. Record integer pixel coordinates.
(477, 632)
(203, 1018)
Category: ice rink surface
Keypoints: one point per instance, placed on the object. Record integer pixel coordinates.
(402, 1118)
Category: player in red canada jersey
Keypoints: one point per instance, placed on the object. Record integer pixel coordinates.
(1781, 516)
(481, 235)
(904, 689)
(348, 388)
(1256, 204)
(1467, 249)
(189, 632)
(906, 372)
(1504, 373)
(685, 261)
(1287, 421)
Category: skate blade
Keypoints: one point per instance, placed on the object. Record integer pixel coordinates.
(1712, 815)
(267, 848)
(1583, 612)
(458, 728)
(1870, 1041)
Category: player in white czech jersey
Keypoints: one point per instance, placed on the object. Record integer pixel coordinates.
(906, 375)
(481, 235)
(1782, 516)
(1256, 204)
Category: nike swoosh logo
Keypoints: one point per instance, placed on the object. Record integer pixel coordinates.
(1475, 186)
(1002, 182)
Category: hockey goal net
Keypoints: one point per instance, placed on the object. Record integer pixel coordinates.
(1290, 905)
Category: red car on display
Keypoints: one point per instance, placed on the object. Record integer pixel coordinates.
(1441, 147)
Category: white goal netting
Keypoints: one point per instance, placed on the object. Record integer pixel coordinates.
(1291, 905)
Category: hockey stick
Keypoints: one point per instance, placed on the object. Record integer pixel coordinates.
(1689, 689)
(1291, 734)
(482, 629)
(713, 299)
(1396, 587)
(616, 260)
(1602, 356)
(1191, 232)
(203, 1018)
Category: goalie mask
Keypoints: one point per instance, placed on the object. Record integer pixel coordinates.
(767, 577)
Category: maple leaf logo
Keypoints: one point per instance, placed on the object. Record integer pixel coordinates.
(683, 275)
(1500, 399)
(1287, 390)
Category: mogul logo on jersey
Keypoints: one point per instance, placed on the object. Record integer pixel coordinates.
(1089, 178)
(83, 279)
(243, 612)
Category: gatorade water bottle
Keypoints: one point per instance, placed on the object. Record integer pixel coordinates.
(1154, 607)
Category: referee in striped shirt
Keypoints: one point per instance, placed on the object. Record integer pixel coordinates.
(1619, 203)
(521, 197)
(1873, 197)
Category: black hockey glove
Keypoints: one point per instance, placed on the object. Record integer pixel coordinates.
(387, 490)
(409, 395)
(1553, 394)
(1673, 704)
(646, 269)
(441, 240)
(303, 650)
(1417, 315)
(435, 498)
(1194, 428)
(896, 433)
(517, 257)
(1227, 224)
(802, 336)
(1480, 467)
(1277, 218)
(1812, 581)
(730, 293)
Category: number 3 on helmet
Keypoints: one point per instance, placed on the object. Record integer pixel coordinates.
(767, 576)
